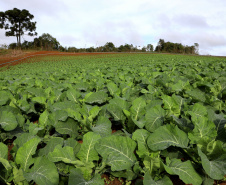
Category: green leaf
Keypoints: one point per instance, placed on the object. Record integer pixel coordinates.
(4, 97)
(18, 176)
(165, 136)
(94, 112)
(70, 127)
(198, 110)
(41, 100)
(82, 86)
(36, 91)
(220, 123)
(65, 105)
(23, 138)
(23, 105)
(72, 143)
(117, 151)
(97, 97)
(197, 95)
(20, 120)
(116, 112)
(76, 177)
(120, 102)
(215, 168)
(24, 153)
(138, 108)
(34, 128)
(52, 143)
(153, 103)
(74, 114)
(213, 149)
(65, 154)
(183, 123)
(4, 156)
(102, 127)
(168, 102)
(3, 151)
(44, 172)
(164, 181)
(73, 95)
(129, 175)
(8, 121)
(152, 163)
(140, 123)
(154, 118)
(172, 104)
(179, 86)
(178, 102)
(113, 89)
(184, 170)
(86, 109)
(141, 135)
(58, 115)
(87, 152)
(204, 130)
(208, 181)
(43, 119)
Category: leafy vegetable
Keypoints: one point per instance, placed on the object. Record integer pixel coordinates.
(166, 136)
(8, 121)
(71, 119)
(117, 151)
(24, 154)
(43, 172)
(185, 171)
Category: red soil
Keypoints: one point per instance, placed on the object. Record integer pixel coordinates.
(10, 157)
(8, 60)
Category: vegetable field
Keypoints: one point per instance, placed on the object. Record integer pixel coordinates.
(135, 118)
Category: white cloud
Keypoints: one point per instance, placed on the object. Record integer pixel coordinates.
(83, 23)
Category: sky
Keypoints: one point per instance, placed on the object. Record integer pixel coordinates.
(86, 23)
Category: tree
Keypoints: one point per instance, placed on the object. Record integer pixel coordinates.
(196, 48)
(150, 47)
(27, 45)
(125, 48)
(47, 41)
(90, 49)
(161, 44)
(109, 46)
(12, 46)
(16, 22)
(72, 49)
(144, 49)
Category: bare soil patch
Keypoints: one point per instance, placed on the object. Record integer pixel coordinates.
(18, 56)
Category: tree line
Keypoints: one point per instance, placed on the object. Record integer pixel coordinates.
(170, 47)
(19, 22)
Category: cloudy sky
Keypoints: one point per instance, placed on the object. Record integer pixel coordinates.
(85, 23)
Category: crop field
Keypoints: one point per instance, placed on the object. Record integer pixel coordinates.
(130, 119)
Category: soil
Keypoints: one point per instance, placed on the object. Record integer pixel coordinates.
(18, 56)
(176, 181)
(114, 181)
(80, 141)
(35, 122)
(10, 157)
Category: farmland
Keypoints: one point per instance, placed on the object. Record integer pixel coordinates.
(137, 118)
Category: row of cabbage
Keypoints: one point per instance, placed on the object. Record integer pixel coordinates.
(131, 116)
